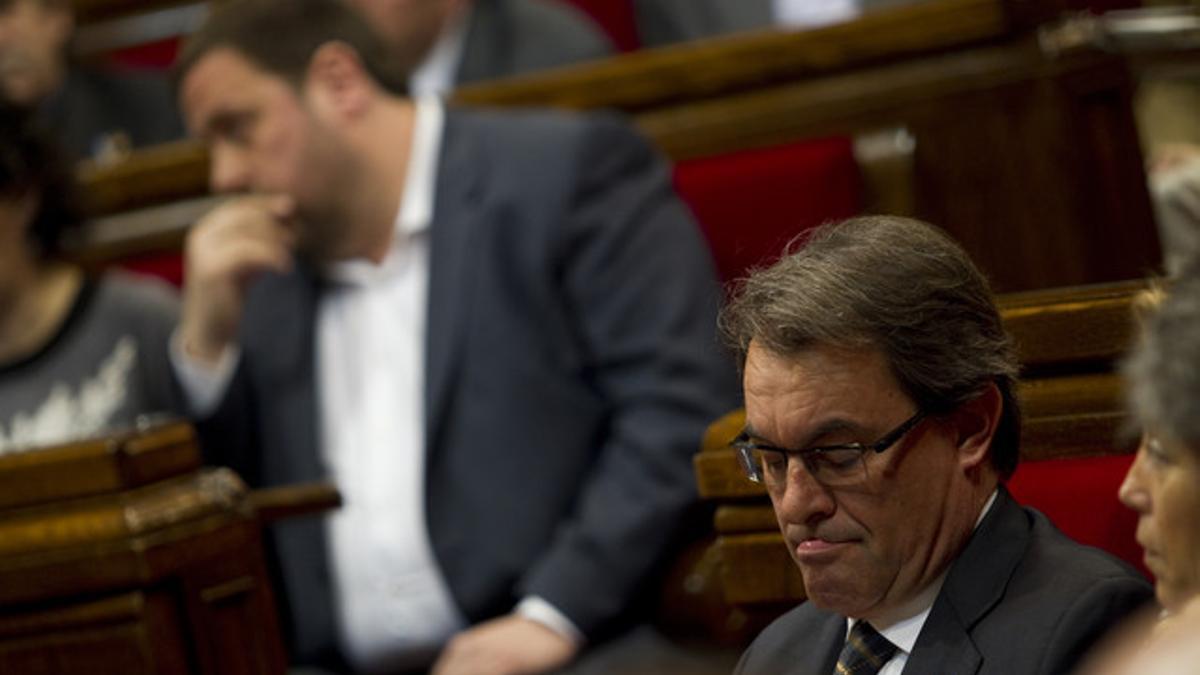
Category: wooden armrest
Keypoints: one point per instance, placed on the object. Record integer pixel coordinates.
(291, 501)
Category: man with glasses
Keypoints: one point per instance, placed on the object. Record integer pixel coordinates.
(881, 418)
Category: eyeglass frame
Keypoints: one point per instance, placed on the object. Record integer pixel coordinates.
(744, 447)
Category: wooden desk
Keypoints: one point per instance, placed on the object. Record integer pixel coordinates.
(123, 556)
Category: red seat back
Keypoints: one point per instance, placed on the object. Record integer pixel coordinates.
(1080, 496)
(615, 17)
(750, 204)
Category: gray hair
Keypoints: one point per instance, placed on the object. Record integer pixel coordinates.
(1163, 370)
(895, 284)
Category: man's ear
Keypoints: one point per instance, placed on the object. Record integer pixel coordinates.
(975, 422)
(337, 82)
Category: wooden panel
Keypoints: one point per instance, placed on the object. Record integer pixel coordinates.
(1074, 435)
(718, 67)
(116, 609)
(154, 175)
(757, 568)
(146, 576)
(1071, 325)
(135, 632)
(732, 519)
(1067, 395)
(95, 521)
(233, 610)
(95, 466)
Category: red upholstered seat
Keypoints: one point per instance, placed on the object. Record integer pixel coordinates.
(615, 17)
(167, 265)
(750, 204)
(1080, 496)
(156, 55)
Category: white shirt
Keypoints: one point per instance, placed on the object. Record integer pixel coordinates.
(437, 73)
(394, 606)
(904, 633)
(389, 591)
(813, 13)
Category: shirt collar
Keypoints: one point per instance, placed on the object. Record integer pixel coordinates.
(904, 632)
(420, 181)
(438, 72)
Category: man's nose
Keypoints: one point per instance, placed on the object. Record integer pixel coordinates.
(1132, 492)
(803, 499)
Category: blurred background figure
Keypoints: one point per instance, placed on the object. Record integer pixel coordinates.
(462, 41)
(97, 113)
(1174, 173)
(666, 21)
(1162, 377)
(78, 355)
(1163, 485)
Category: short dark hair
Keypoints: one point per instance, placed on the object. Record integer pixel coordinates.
(898, 285)
(1162, 372)
(281, 36)
(33, 164)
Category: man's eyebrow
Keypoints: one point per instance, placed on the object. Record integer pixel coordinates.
(830, 426)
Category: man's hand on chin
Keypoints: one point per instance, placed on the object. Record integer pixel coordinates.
(509, 645)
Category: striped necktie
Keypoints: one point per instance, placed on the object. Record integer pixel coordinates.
(865, 652)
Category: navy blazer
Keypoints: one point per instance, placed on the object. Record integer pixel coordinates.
(512, 37)
(1021, 599)
(572, 366)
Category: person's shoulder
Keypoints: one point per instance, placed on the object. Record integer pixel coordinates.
(560, 22)
(1069, 561)
(547, 138)
(521, 123)
(797, 634)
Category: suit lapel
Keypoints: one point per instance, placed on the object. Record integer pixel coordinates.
(455, 211)
(485, 44)
(832, 636)
(975, 584)
(292, 364)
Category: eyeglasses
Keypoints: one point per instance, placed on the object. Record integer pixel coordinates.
(830, 465)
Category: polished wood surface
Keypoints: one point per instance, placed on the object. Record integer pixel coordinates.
(126, 460)
(123, 556)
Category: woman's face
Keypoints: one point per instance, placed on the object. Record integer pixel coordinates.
(1163, 486)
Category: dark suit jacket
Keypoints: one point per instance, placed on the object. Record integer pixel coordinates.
(572, 366)
(511, 37)
(1022, 599)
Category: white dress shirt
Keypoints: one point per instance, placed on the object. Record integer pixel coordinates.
(394, 606)
(438, 73)
(813, 13)
(904, 632)
(393, 601)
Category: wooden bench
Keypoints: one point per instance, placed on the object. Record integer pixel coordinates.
(1072, 461)
(990, 114)
(123, 556)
